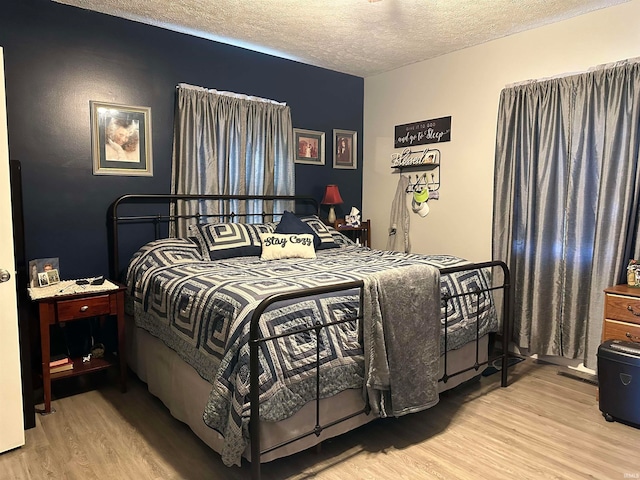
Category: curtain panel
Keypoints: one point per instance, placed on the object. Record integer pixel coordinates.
(229, 144)
(566, 203)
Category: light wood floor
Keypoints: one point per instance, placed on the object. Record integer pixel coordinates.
(543, 426)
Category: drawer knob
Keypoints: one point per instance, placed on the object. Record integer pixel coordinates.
(630, 308)
(633, 338)
(84, 308)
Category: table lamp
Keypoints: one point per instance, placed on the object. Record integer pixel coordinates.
(331, 197)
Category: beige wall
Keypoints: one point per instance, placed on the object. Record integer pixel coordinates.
(467, 85)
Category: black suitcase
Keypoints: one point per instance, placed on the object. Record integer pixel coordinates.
(619, 381)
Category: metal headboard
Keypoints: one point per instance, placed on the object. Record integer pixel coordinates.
(157, 219)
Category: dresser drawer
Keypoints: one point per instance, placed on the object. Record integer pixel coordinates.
(84, 307)
(620, 307)
(615, 330)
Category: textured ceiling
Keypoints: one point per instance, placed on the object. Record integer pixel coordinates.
(359, 37)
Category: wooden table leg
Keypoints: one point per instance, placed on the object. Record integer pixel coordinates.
(121, 342)
(45, 347)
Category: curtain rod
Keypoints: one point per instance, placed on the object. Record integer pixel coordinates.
(229, 94)
(603, 66)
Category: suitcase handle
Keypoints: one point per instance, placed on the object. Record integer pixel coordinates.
(630, 308)
(633, 338)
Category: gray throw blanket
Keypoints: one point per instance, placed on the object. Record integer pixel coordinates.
(401, 335)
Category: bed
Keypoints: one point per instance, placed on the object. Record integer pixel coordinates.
(264, 358)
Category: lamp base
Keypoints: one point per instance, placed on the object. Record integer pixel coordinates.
(332, 215)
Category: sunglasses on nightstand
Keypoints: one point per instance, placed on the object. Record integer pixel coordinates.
(91, 281)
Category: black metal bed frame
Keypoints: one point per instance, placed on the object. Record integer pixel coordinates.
(255, 340)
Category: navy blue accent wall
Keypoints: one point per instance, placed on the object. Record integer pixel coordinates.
(58, 58)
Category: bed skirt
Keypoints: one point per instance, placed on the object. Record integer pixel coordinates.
(185, 394)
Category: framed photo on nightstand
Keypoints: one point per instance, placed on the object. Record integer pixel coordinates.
(43, 279)
(53, 277)
(44, 271)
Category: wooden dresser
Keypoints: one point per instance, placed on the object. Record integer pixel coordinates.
(621, 313)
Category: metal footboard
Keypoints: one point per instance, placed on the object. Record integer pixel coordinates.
(256, 340)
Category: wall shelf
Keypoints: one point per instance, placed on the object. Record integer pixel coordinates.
(429, 166)
(427, 160)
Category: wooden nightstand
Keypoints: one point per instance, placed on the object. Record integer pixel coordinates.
(68, 308)
(361, 233)
(621, 313)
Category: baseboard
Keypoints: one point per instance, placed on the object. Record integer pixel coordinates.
(581, 376)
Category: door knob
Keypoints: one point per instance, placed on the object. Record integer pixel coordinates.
(4, 275)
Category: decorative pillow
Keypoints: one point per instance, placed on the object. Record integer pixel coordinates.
(226, 240)
(289, 223)
(318, 226)
(287, 245)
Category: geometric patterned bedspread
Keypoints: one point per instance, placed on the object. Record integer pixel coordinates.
(202, 310)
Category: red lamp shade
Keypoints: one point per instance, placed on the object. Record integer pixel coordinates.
(331, 196)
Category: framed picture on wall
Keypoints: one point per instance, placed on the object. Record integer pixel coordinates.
(345, 149)
(121, 140)
(309, 146)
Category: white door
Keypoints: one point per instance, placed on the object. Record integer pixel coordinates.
(11, 421)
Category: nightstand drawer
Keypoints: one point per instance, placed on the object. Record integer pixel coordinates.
(619, 307)
(614, 330)
(84, 307)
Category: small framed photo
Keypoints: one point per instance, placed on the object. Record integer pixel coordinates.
(40, 271)
(43, 279)
(53, 276)
(432, 156)
(345, 149)
(309, 146)
(121, 140)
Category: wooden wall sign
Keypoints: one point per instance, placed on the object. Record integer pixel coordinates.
(421, 133)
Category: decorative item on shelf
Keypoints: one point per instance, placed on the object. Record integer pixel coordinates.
(97, 351)
(633, 273)
(331, 197)
(353, 219)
